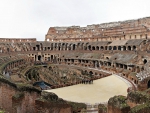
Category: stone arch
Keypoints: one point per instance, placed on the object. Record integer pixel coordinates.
(39, 57)
(66, 45)
(63, 46)
(134, 47)
(89, 47)
(78, 46)
(97, 48)
(52, 46)
(82, 46)
(110, 48)
(101, 47)
(73, 47)
(124, 48)
(129, 48)
(119, 48)
(69, 47)
(59, 46)
(38, 47)
(114, 48)
(91, 73)
(34, 48)
(93, 47)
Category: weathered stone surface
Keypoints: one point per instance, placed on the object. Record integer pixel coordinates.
(118, 104)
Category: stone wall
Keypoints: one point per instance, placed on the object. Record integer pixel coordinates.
(130, 29)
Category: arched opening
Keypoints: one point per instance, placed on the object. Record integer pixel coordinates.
(59, 48)
(97, 48)
(34, 48)
(148, 84)
(66, 46)
(110, 47)
(62, 47)
(72, 60)
(73, 47)
(93, 48)
(91, 73)
(102, 47)
(69, 47)
(82, 46)
(129, 48)
(119, 48)
(145, 61)
(89, 47)
(124, 48)
(39, 57)
(125, 66)
(114, 48)
(134, 47)
(121, 65)
(79, 61)
(109, 63)
(107, 58)
(52, 46)
(38, 47)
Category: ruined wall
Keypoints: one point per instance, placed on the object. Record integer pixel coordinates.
(6, 93)
(27, 99)
(25, 103)
(17, 99)
(130, 29)
(48, 107)
(17, 40)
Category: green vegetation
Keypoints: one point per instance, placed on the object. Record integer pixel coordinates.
(139, 97)
(102, 107)
(118, 101)
(76, 106)
(18, 95)
(1, 111)
(27, 87)
(143, 108)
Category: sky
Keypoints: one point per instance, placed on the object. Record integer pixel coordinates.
(33, 18)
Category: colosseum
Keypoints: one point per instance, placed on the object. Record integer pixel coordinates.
(75, 56)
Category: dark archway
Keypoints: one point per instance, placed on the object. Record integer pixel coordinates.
(102, 47)
(74, 46)
(119, 48)
(34, 48)
(89, 47)
(124, 48)
(93, 48)
(38, 47)
(91, 73)
(39, 57)
(145, 61)
(148, 84)
(110, 48)
(97, 48)
(134, 47)
(114, 48)
(129, 48)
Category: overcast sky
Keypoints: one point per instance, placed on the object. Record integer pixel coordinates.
(32, 18)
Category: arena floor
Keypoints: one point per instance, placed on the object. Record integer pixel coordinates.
(100, 91)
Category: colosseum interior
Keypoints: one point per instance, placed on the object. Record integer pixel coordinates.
(76, 55)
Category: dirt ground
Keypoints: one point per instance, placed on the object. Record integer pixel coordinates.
(100, 91)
